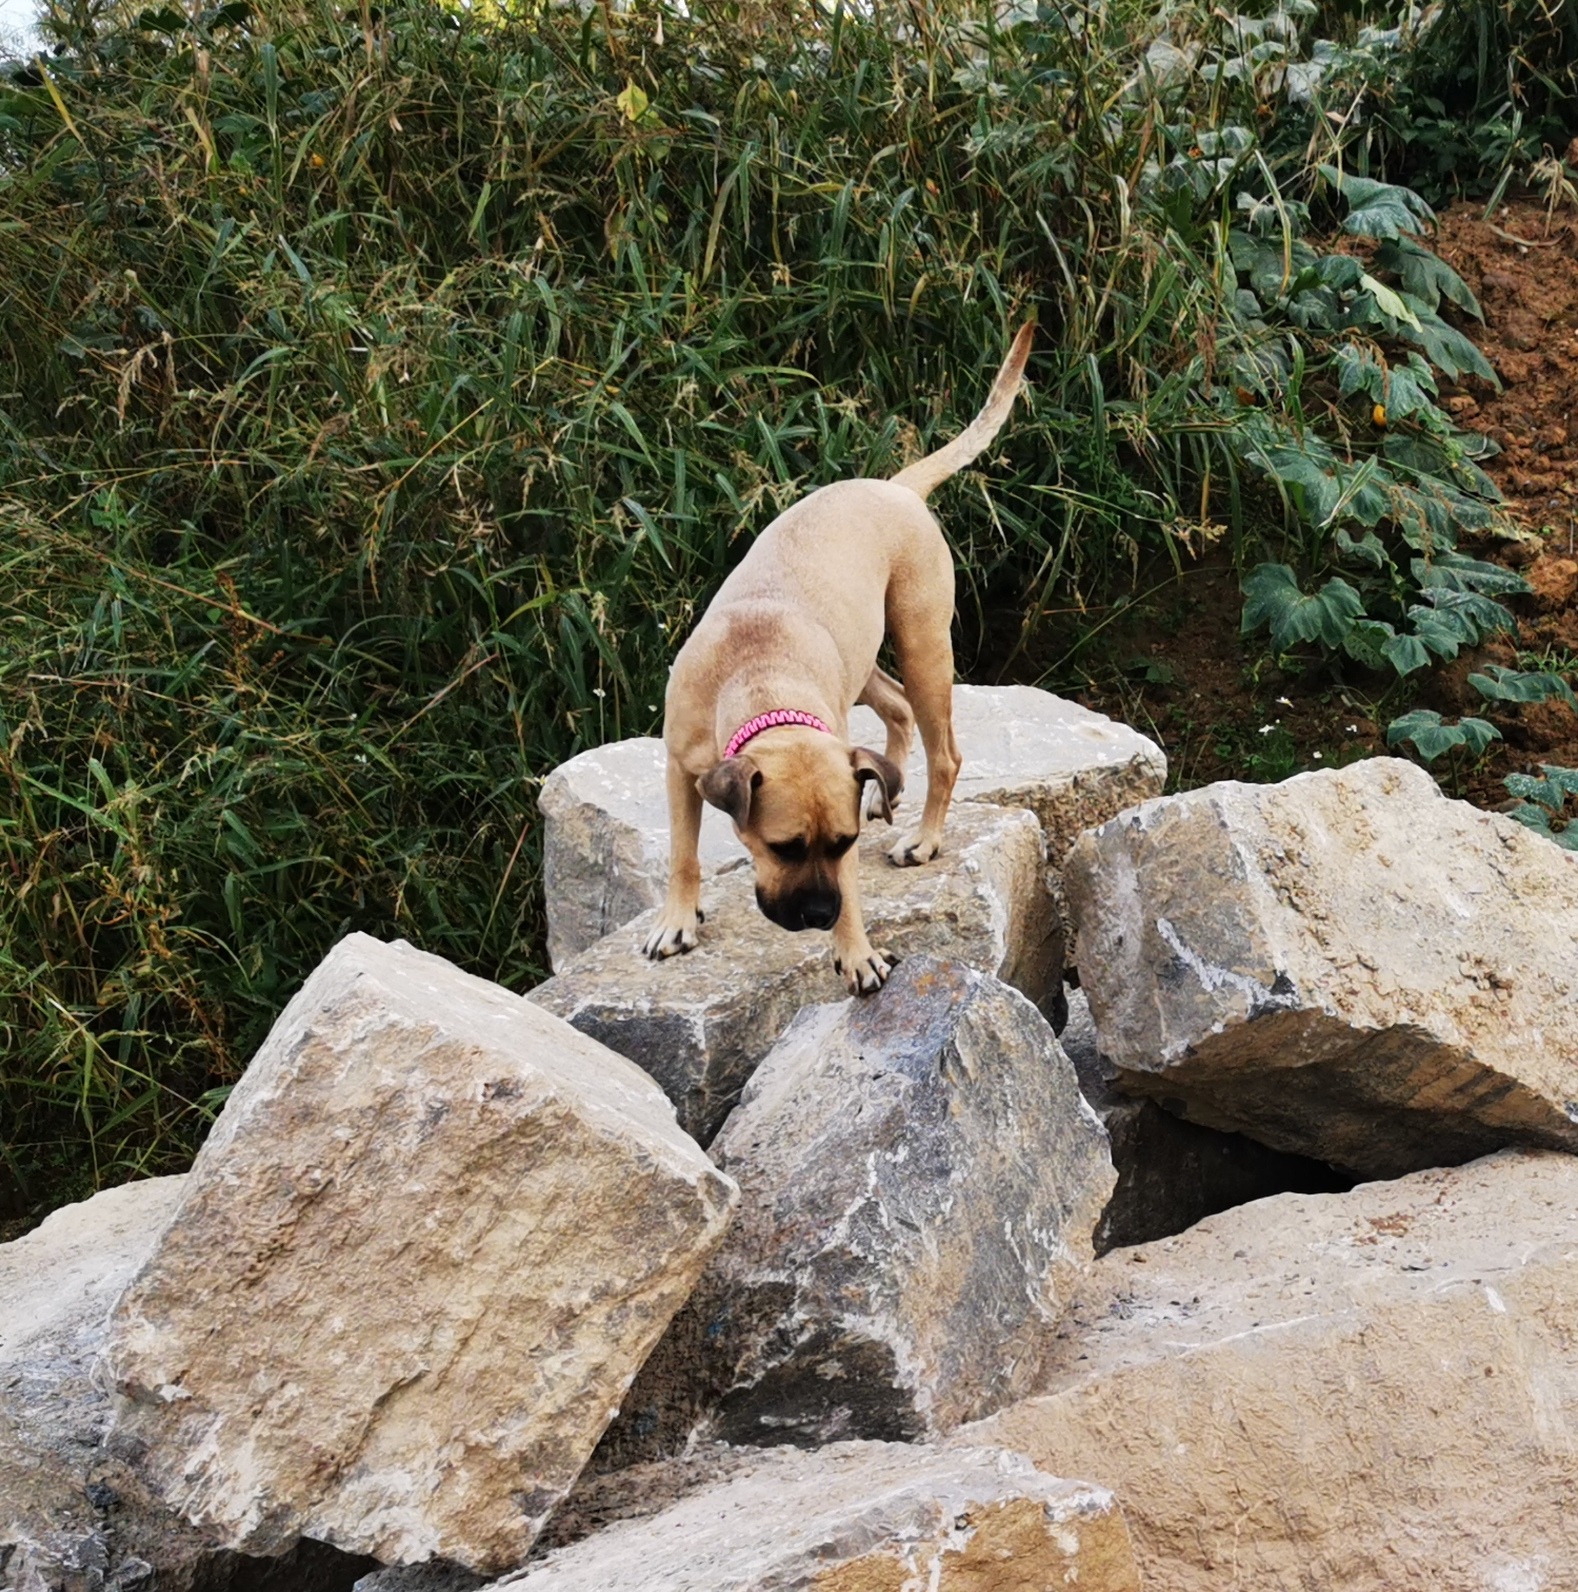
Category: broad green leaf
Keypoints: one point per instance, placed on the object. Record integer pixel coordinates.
(1379, 209)
(1389, 303)
(1368, 549)
(1426, 276)
(1477, 734)
(1367, 641)
(1407, 653)
(1459, 572)
(1359, 371)
(1449, 350)
(1499, 684)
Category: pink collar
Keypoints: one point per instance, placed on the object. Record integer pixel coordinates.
(748, 731)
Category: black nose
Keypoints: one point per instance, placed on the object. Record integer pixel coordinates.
(814, 911)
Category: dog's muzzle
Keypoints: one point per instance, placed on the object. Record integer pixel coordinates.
(812, 910)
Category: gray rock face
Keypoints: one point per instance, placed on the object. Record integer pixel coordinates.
(1335, 1393)
(1346, 965)
(860, 1517)
(1173, 1173)
(70, 1517)
(428, 1243)
(700, 1023)
(919, 1181)
(605, 853)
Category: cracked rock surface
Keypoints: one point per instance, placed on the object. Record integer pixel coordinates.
(1346, 965)
(700, 1023)
(1360, 1392)
(429, 1241)
(920, 1178)
(859, 1517)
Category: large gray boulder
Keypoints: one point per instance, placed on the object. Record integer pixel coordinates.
(66, 1517)
(859, 1517)
(920, 1179)
(700, 1023)
(73, 1517)
(428, 1243)
(1335, 1392)
(1346, 965)
(1173, 1173)
(605, 844)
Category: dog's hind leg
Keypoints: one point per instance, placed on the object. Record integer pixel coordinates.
(925, 651)
(675, 930)
(885, 697)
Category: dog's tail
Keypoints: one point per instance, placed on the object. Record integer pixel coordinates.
(926, 475)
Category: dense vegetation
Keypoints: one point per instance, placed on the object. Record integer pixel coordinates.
(390, 387)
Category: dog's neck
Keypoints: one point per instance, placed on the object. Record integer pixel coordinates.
(774, 719)
(748, 701)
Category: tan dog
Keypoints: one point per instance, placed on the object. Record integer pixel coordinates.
(756, 718)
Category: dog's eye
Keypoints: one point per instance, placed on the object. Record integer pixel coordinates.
(788, 850)
(837, 848)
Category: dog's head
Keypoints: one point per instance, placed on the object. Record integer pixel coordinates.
(795, 799)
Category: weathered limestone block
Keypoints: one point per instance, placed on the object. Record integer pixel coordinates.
(1172, 1173)
(74, 1518)
(1346, 965)
(1337, 1392)
(66, 1517)
(426, 1247)
(919, 1179)
(605, 847)
(699, 1023)
(860, 1517)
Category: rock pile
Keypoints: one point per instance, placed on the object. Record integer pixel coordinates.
(442, 1237)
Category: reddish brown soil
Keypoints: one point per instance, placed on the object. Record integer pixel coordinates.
(1180, 671)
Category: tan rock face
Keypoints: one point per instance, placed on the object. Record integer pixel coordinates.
(860, 1517)
(68, 1511)
(1346, 965)
(1362, 1392)
(605, 855)
(428, 1243)
(919, 1179)
(700, 1023)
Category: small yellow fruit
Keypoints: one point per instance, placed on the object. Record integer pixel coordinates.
(314, 160)
(1378, 415)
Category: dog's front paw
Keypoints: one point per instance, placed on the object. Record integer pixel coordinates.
(865, 972)
(671, 937)
(914, 850)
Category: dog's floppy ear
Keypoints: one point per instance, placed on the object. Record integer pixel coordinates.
(873, 767)
(730, 785)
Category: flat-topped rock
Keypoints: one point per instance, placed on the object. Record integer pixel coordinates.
(1344, 1392)
(605, 849)
(432, 1236)
(920, 1178)
(700, 1023)
(1346, 965)
(859, 1517)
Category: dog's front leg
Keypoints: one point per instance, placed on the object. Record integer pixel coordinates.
(863, 969)
(675, 930)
